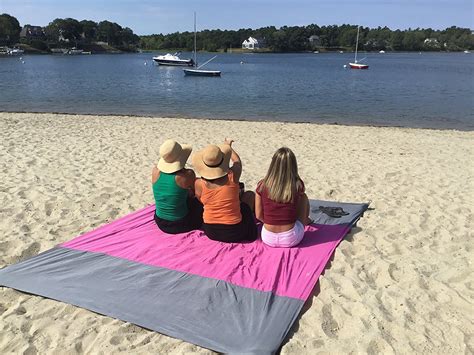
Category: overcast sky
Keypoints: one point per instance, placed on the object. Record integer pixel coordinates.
(147, 17)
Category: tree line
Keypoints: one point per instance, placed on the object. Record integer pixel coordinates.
(314, 37)
(70, 32)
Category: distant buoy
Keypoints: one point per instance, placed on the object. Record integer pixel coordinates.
(345, 66)
(144, 63)
(21, 58)
(22, 62)
(241, 62)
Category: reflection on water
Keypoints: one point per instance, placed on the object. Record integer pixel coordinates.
(429, 90)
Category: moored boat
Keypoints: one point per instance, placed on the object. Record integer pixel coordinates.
(355, 64)
(197, 71)
(358, 66)
(74, 51)
(173, 60)
(202, 72)
(16, 51)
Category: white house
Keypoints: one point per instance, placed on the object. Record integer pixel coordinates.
(431, 42)
(252, 43)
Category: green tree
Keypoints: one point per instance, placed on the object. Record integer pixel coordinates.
(9, 30)
(109, 32)
(89, 30)
(396, 40)
(67, 30)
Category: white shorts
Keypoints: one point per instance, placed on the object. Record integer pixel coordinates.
(284, 239)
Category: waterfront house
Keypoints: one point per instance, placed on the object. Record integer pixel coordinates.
(32, 32)
(253, 43)
(431, 42)
(314, 41)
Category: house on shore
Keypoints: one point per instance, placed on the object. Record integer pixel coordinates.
(32, 32)
(253, 43)
(431, 42)
(314, 41)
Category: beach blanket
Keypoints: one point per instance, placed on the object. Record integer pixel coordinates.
(232, 298)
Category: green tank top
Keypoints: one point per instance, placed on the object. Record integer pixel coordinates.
(171, 200)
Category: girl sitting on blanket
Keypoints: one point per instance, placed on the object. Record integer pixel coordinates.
(226, 218)
(281, 203)
(177, 210)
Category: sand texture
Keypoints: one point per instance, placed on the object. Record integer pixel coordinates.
(402, 281)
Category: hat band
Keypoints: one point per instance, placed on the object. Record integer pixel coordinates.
(214, 165)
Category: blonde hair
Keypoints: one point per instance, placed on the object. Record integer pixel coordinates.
(282, 181)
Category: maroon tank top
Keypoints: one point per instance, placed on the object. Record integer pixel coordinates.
(275, 213)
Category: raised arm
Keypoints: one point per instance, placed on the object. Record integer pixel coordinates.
(236, 162)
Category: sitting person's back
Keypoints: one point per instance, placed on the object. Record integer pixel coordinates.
(221, 198)
(281, 202)
(225, 217)
(177, 211)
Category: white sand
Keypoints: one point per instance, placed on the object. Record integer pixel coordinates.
(402, 282)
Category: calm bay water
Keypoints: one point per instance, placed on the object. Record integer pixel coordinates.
(432, 90)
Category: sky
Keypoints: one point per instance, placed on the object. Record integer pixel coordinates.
(167, 16)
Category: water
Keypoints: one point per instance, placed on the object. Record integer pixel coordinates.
(431, 90)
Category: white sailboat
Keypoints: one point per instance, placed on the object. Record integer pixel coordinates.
(355, 64)
(198, 71)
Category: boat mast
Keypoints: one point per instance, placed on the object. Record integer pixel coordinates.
(357, 44)
(195, 59)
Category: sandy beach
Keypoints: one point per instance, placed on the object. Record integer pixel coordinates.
(402, 281)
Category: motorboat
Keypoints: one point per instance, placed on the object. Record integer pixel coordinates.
(74, 51)
(355, 64)
(173, 60)
(16, 51)
(382, 52)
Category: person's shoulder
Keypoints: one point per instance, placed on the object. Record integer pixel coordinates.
(185, 177)
(187, 173)
(198, 182)
(260, 187)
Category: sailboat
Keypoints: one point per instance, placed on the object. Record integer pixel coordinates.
(357, 65)
(198, 71)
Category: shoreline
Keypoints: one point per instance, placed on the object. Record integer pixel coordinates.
(400, 282)
(239, 51)
(59, 113)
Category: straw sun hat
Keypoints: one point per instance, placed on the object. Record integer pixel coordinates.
(213, 161)
(173, 156)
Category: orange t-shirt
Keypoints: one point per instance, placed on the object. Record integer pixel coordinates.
(222, 204)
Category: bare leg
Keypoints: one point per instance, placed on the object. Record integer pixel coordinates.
(303, 210)
(248, 198)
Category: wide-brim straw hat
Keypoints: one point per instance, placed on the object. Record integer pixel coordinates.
(173, 156)
(213, 161)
